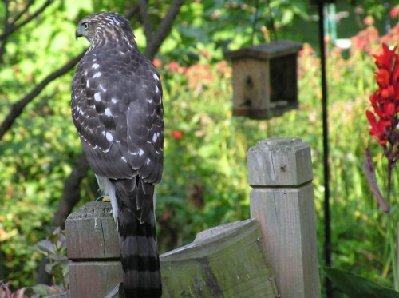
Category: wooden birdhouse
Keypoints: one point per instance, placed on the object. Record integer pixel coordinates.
(264, 78)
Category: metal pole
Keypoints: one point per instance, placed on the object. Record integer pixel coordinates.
(326, 165)
(387, 20)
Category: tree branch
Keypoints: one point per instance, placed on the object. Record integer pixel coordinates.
(71, 193)
(14, 27)
(6, 28)
(23, 11)
(163, 29)
(145, 20)
(17, 108)
(133, 11)
(11, 27)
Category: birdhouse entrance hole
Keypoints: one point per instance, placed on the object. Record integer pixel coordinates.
(264, 79)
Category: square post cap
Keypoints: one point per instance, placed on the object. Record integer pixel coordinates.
(279, 162)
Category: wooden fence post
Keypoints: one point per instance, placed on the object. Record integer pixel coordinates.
(93, 250)
(224, 261)
(280, 173)
(237, 259)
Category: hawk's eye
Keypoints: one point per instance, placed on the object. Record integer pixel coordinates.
(85, 25)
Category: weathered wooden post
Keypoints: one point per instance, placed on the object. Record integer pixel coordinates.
(280, 173)
(93, 251)
(240, 259)
(225, 261)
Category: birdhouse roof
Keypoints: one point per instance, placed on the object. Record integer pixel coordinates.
(266, 51)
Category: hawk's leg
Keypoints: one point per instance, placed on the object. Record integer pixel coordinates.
(108, 191)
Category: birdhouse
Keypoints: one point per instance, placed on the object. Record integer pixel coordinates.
(264, 78)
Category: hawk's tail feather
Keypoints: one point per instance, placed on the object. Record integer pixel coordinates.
(137, 233)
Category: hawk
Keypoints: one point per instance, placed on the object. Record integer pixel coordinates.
(118, 112)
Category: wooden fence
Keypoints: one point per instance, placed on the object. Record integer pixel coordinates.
(273, 254)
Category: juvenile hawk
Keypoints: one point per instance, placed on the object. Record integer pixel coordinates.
(117, 110)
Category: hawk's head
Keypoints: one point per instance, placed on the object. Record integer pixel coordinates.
(103, 27)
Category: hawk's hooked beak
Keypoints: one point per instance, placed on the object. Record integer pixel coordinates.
(79, 31)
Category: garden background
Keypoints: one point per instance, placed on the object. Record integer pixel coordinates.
(204, 182)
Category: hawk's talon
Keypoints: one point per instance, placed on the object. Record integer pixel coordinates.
(103, 199)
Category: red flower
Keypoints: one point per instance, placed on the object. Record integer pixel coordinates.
(156, 62)
(173, 66)
(385, 59)
(384, 116)
(394, 11)
(382, 77)
(389, 109)
(177, 135)
(388, 92)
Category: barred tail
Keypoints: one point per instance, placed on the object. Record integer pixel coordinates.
(137, 237)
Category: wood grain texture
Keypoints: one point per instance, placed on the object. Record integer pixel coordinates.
(93, 249)
(251, 88)
(264, 79)
(62, 295)
(282, 202)
(226, 261)
(94, 279)
(234, 260)
(277, 162)
(91, 233)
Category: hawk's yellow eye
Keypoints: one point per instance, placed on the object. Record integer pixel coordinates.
(85, 25)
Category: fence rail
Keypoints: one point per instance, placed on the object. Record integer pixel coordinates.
(274, 254)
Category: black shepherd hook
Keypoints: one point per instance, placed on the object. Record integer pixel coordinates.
(326, 149)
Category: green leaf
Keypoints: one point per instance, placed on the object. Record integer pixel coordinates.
(49, 267)
(41, 289)
(45, 246)
(358, 287)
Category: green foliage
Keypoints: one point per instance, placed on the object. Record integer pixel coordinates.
(36, 291)
(357, 287)
(38, 152)
(373, 7)
(204, 182)
(198, 170)
(223, 23)
(54, 249)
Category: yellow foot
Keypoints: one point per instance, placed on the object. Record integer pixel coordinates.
(103, 199)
